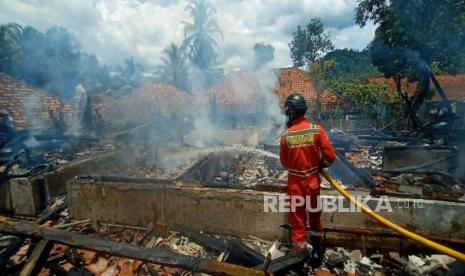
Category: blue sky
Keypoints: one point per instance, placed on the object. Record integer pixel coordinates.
(117, 29)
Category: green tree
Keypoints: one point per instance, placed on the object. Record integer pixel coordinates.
(62, 57)
(173, 69)
(200, 42)
(310, 44)
(10, 46)
(125, 79)
(319, 71)
(352, 65)
(52, 60)
(375, 101)
(263, 54)
(32, 63)
(93, 74)
(414, 39)
(307, 47)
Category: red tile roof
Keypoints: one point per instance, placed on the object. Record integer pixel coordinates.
(28, 106)
(453, 86)
(292, 80)
(237, 92)
(150, 100)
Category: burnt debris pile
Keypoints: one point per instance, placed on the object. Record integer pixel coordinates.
(87, 247)
(238, 167)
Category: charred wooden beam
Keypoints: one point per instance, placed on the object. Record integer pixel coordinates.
(441, 94)
(238, 252)
(244, 254)
(207, 241)
(153, 255)
(425, 165)
(286, 262)
(50, 213)
(387, 138)
(47, 137)
(388, 233)
(37, 259)
(389, 173)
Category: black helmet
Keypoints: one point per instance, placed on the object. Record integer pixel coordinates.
(295, 103)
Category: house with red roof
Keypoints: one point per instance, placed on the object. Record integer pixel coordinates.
(251, 91)
(453, 86)
(29, 106)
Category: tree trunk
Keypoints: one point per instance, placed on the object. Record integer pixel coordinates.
(318, 103)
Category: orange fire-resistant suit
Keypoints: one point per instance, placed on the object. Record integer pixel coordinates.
(304, 150)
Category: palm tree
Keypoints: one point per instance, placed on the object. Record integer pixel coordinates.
(174, 67)
(200, 40)
(10, 45)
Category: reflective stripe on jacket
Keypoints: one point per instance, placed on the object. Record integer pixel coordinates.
(305, 148)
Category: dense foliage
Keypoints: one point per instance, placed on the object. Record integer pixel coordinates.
(174, 68)
(351, 65)
(54, 60)
(415, 35)
(310, 44)
(10, 46)
(375, 101)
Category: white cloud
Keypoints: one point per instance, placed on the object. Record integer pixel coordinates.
(352, 36)
(117, 29)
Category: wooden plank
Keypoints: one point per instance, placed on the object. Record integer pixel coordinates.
(50, 213)
(34, 263)
(152, 255)
(286, 262)
(238, 252)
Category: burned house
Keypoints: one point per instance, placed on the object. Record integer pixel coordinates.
(174, 206)
(453, 86)
(30, 107)
(251, 97)
(151, 102)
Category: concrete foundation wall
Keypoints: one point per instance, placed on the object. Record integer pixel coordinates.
(22, 196)
(55, 181)
(28, 196)
(222, 211)
(239, 212)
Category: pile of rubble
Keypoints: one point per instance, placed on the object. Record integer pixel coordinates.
(64, 259)
(144, 163)
(238, 167)
(34, 157)
(366, 158)
(339, 261)
(63, 156)
(18, 253)
(249, 170)
(427, 186)
(174, 246)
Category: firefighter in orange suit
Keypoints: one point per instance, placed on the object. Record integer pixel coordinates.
(304, 150)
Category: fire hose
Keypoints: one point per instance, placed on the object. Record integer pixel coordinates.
(431, 244)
